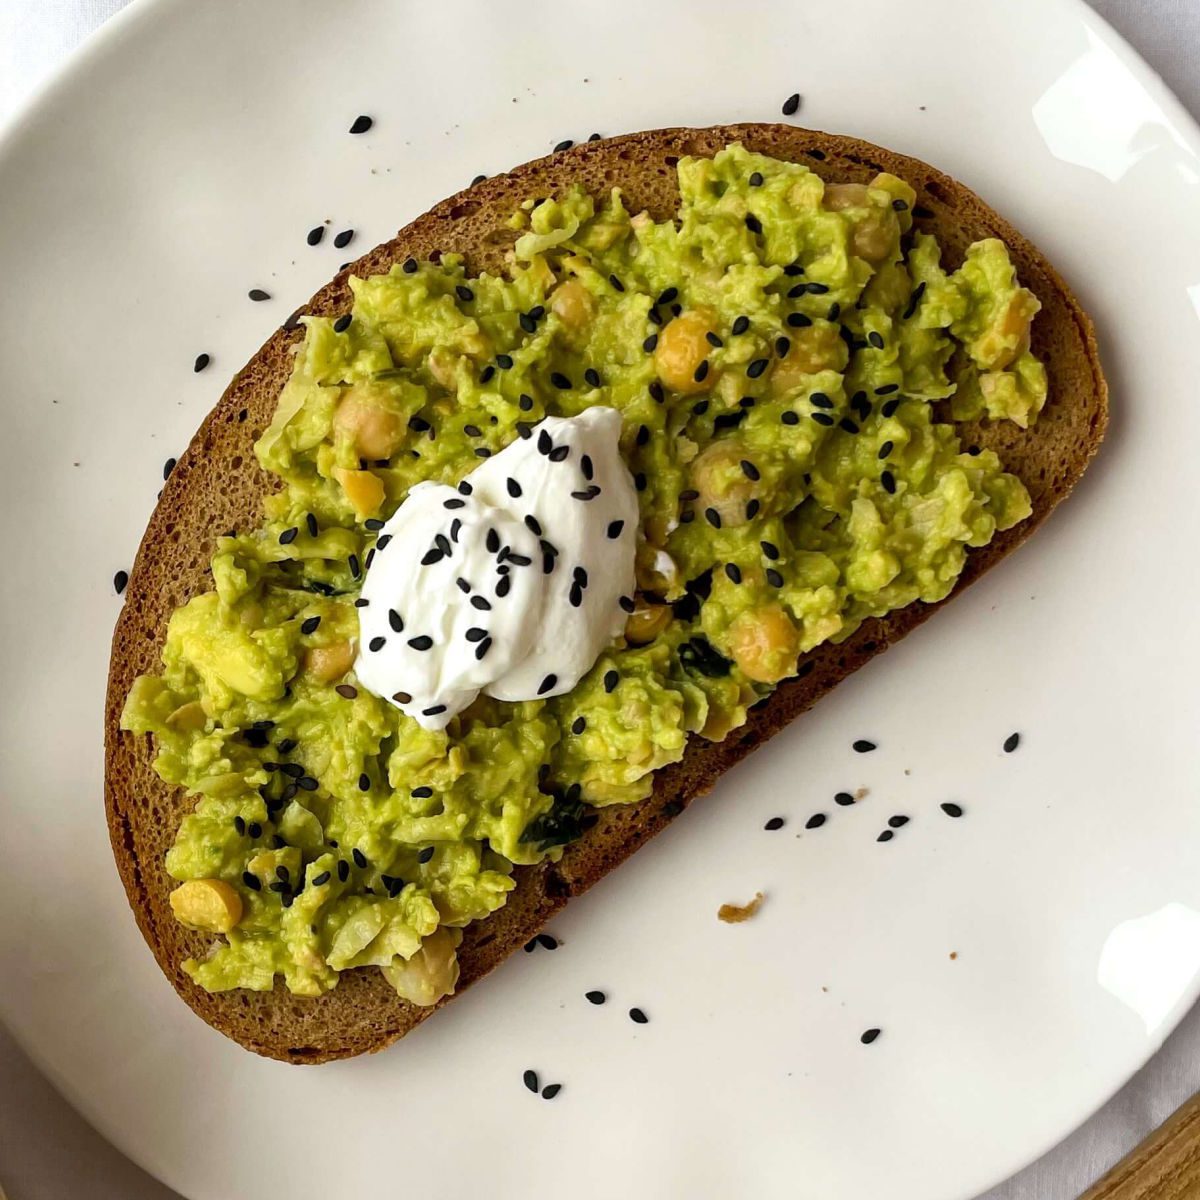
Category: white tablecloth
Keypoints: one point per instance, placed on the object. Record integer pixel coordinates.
(47, 1152)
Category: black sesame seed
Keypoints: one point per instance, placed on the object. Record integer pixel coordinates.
(951, 809)
(687, 517)
(774, 578)
(876, 339)
(258, 294)
(713, 517)
(431, 556)
(486, 374)
(889, 409)
(888, 480)
(343, 869)
(638, 1017)
(239, 823)
(531, 1081)
(689, 494)
(483, 452)
(782, 346)
(560, 381)
(616, 283)
(481, 603)
(254, 829)
(614, 528)
(361, 124)
(168, 467)
(547, 684)
(120, 581)
(790, 418)
(464, 293)
(252, 881)
(753, 223)
(757, 367)
(752, 507)
(822, 418)
(898, 821)
(886, 835)
(202, 361)
(1011, 742)
(486, 644)
(914, 300)
(667, 296)
(410, 266)
(700, 374)
(740, 325)
(360, 859)
(869, 1036)
(307, 782)
(774, 823)
(376, 644)
(770, 550)
(700, 408)
(848, 425)
(626, 604)
(734, 572)
(347, 691)
(342, 323)
(423, 642)
(343, 239)
(514, 488)
(713, 339)
(862, 746)
(798, 320)
(885, 450)
(551, 1090)
(547, 940)
(292, 770)
(801, 289)
(656, 392)
(419, 424)
(595, 997)
(309, 625)
(288, 536)
(815, 821)
(611, 679)
(563, 145)
(792, 270)
(324, 877)
(791, 105)
(845, 799)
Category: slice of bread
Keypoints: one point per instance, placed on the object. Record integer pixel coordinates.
(217, 485)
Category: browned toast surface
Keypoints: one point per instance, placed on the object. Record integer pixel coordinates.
(217, 485)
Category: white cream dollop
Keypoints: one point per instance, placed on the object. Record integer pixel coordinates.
(510, 584)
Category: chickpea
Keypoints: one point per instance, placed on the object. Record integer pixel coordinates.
(717, 474)
(839, 196)
(210, 905)
(375, 431)
(817, 347)
(431, 973)
(363, 489)
(572, 303)
(871, 238)
(327, 663)
(765, 643)
(443, 366)
(682, 349)
(654, 569)
(1008, 335)
(646, 622)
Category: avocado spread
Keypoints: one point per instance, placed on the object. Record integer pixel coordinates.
(787, 357)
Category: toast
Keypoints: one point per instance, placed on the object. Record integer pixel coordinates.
(217, 485)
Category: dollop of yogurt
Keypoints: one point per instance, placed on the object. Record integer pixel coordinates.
(511, 583)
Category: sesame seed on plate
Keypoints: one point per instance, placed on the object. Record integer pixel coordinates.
(1011, 742)
(951, 809)
(361, 124)
(774, 823)
(791, 105)
(202, 361)
(638, 1017)
(595, 996)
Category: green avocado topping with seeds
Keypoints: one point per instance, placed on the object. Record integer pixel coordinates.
(788, 357)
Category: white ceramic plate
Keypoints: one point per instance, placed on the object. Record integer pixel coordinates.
(179, 162)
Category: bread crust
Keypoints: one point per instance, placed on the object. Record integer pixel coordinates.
(217, 485)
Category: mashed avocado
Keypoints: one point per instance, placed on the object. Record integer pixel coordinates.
(788, 358)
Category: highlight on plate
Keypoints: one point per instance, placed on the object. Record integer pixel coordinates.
(535, 532)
